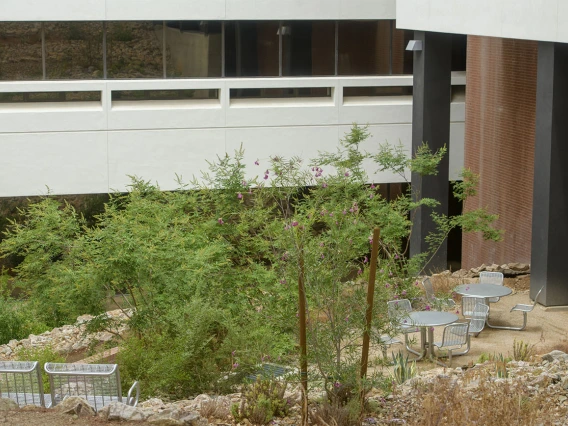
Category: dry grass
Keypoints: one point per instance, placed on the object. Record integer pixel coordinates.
(326, 414)
(560, 345)
(214, 409)
(481, 400)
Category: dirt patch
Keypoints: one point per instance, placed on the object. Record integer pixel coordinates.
(46, 417)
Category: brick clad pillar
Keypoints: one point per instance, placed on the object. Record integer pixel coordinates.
(499, 144)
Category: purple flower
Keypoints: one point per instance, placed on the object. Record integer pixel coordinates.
(346, 318)
(387, 285)
(294, 223)
(404, 293)
(365, 260)
(282, 281)
(371, 196)
(427, 308)
(416, 283)
(372, 186)
(331, 214)
(220, 221)
(336, 384)
(244, 183)
(344, 212)
(467, 288)
(322, 256)
(346, 174)
(239, 196)
(370, 240)
(457, 311)
(322, 244)
(324, 185)
(431, 328)
(235, 365)
(359, 271)
(396, 256)
(265, 177)
(256, 162)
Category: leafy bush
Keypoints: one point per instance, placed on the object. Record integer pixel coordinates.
(41, 355)
(17, 321)
(208, 276)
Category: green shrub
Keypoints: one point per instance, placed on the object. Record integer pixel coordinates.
(262, 401)
(17, 321)
(41, 355)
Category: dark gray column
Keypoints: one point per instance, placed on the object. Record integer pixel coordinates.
(549, 247)
(431, 124)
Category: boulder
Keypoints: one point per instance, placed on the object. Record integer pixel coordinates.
(555, 355)
(8, 404)
(122, 412)
(75, 405)
(175, 417)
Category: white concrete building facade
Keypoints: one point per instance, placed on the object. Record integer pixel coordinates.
(92, 91)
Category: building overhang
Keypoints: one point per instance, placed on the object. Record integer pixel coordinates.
(542, 20)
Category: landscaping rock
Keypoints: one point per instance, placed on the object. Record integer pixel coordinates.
(119, 411)
(8, 404)
(75, 405)
(555, 355)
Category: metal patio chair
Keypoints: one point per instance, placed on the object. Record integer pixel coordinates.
(432, 299)
(495, 278)
(398, 310)
(475, 326)
(469, 303)
(21, 381)
(525, 309)
(99, 384)
(455, 336)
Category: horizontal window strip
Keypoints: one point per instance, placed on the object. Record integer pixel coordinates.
(282, 93)
(31, 97)
(377, 91)
(164, 95)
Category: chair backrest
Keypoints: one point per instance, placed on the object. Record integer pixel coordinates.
(478, 318)
(455, 334)
(468, 304)
(536, 297)
(99, 384)
(491, 278)
(398, 308)
(428, 289)
(21, 381)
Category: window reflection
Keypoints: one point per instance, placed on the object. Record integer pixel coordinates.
(364, 47)
(74, 50)
(252, 49)
(402, 59)
(308, 48)
(193, 49)
(134, 50)
(20, 51)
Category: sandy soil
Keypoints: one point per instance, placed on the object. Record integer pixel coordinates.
(45, 417)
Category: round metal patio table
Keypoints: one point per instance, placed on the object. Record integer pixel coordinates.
(484, 291)
(427, 320)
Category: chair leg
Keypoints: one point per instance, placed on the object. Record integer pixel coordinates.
(510, 328)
